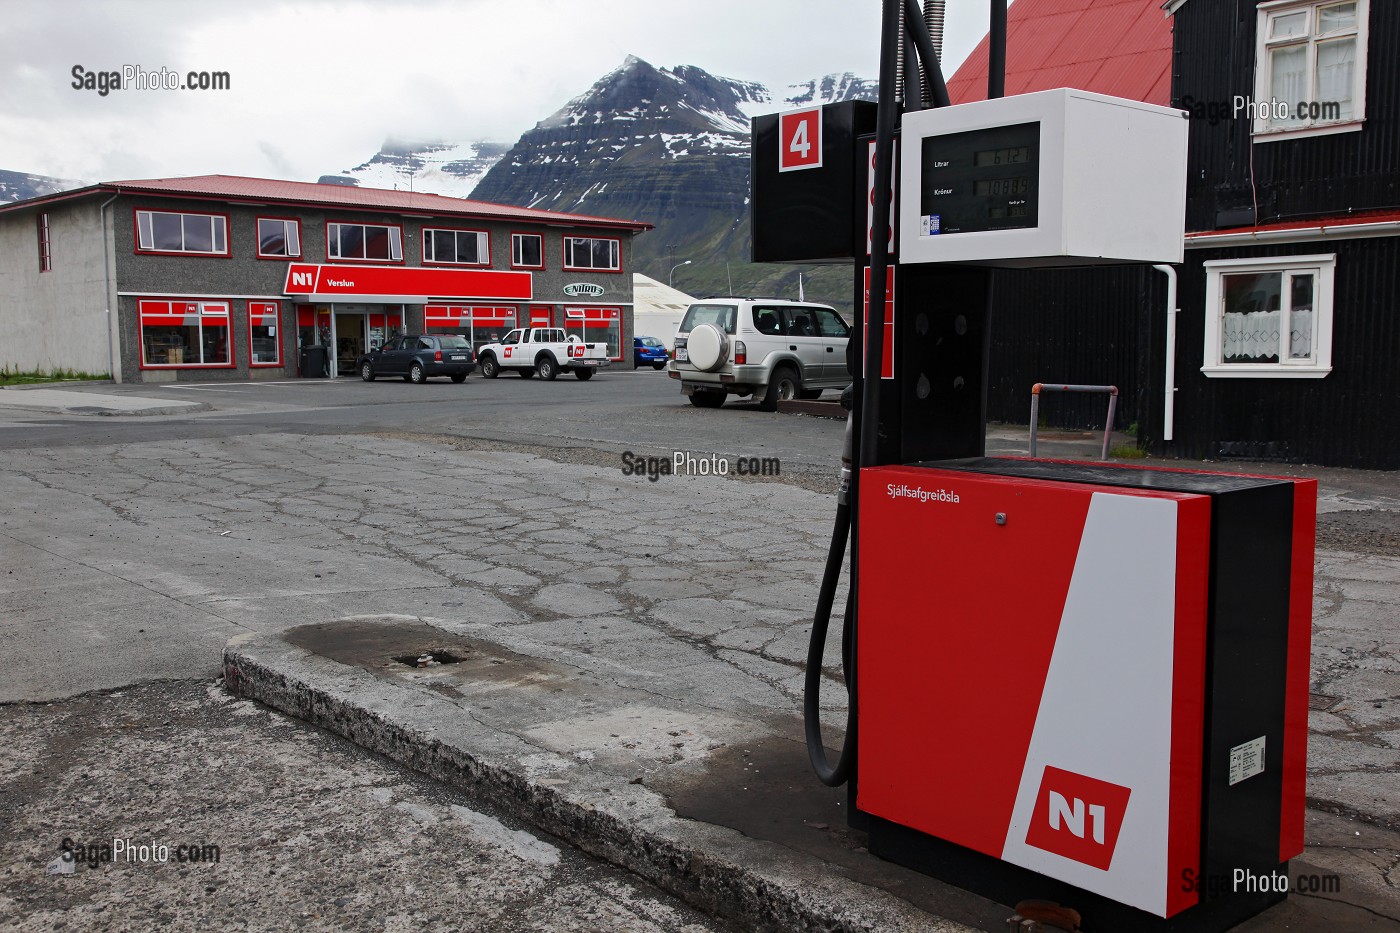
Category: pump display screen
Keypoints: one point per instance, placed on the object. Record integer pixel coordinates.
(980, 180)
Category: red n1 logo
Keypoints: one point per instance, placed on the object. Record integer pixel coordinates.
(1078, 817)
(800, 139)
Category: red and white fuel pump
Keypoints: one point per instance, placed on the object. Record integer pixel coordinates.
(1068, 681)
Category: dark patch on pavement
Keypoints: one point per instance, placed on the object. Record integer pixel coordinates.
(375, 645)
(766, 790)
(1365, 532)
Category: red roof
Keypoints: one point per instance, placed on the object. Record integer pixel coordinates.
(1117, 47)
(348, 197)
(1319, 225)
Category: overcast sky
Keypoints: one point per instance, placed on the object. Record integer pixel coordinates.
(316, 87)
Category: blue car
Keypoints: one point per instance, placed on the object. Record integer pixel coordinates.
(648, 351)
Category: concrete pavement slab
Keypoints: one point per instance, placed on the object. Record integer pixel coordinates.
(72, 401)
(712, 802)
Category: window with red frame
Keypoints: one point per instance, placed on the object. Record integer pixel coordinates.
(45, 257)
(167, 232)
(185, 333)
(264, 346)
(479, 324)
(597, 325)
(372, 242)
(279, 238)
(459, 247)
(603, 253)
(527, 251)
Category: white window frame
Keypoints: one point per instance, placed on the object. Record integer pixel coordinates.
(1263, 130)
(483, 247)
(291, 237)
(218, 230)
(570, 248)
(1321, 267)
(516, 260)
(395, 242)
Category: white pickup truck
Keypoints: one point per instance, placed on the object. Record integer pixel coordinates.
(547, 351)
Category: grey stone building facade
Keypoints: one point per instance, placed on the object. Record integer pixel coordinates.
(225, 278)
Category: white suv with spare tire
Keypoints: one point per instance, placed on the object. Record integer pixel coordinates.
(771, 349)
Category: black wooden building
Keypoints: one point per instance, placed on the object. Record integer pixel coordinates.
(1289, 296)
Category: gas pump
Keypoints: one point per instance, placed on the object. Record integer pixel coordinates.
(1072, 682)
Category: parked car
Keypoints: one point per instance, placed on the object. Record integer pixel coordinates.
(416, 357)
(543, 351)
(768, 348)
(648, 351)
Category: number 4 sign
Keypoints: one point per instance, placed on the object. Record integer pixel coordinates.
(800, 139)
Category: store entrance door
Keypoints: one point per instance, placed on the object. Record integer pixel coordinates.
(351, 339)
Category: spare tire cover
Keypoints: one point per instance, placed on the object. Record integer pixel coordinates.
(708, 347)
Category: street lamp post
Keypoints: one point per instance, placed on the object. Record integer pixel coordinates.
(672, 273)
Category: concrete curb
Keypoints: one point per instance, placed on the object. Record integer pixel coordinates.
(815, 408)
(759, 885)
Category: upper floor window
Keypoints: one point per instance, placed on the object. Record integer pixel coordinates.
(1310, 67)
(45, 257)
(165, 232)
(526, 251)
(1269, 317)
(592, 253)
(374, 242)
(463, 247)
(279, 238)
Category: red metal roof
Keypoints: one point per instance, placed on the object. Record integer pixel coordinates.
(1117, 47)
(1354, 219)
(348, 197)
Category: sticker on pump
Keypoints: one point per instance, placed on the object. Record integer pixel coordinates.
(800, 139)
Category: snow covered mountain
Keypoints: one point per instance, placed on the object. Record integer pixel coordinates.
(16, 186)
(669, 146)
(452, 169)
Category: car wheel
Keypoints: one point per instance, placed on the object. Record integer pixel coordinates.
(416, 374)
(366, 372)
(459, 377)
(658, 366)
(489, 368)
(707, 399)
(547, 368)
(810, 395)
(782, 386)
(583, 374)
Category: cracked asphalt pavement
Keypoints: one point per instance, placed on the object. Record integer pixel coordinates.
(131, 554)
(309, 831)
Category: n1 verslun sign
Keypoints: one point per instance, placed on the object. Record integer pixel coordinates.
(800, 139)
(366, 281)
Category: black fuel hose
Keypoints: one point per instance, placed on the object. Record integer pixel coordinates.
(866, 405)
(828, 774)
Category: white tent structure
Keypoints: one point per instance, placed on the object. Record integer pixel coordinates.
(657, 309)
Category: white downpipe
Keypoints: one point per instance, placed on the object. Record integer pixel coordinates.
(1169, 400)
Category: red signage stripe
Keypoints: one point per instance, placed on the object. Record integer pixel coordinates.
(357, 281)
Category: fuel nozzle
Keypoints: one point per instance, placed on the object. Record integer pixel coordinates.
(847, 447)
